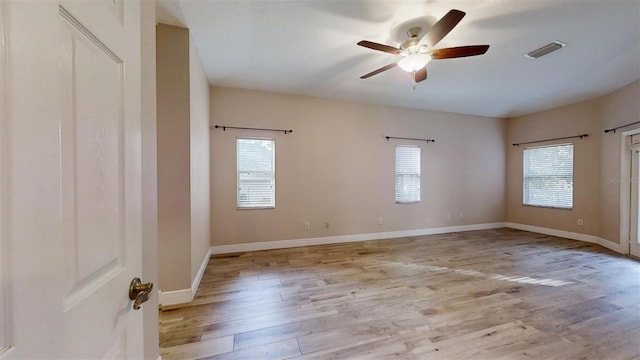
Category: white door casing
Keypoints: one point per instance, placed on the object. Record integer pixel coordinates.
(4, 317)
(634, 224)
(73, 178)
(625, 185)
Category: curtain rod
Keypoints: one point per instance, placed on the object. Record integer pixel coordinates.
(224, 128)
(613, 130)
(404, 138)
(560, 138)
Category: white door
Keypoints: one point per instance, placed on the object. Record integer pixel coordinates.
(71, 178)
(634, 240)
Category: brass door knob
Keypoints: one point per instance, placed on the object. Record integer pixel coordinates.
(139, 292)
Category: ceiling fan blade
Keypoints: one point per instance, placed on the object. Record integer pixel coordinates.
(421, 75)
(378, 71)
(379, 47)
(460, 51)
(441, 28)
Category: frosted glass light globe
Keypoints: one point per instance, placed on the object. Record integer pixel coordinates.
(414, 62)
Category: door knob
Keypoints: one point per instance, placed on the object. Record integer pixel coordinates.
(139, 292)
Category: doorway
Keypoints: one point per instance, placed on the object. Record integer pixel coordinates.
(634, 218)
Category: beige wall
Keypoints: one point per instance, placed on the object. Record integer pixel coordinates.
(337, 167)
(149, 177)
(581, 118)
(183, 159)
(174, 201)
(597, 161)
(199, 164)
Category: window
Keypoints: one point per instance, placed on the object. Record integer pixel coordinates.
(548, 176)
(256, 173)
(407, 174)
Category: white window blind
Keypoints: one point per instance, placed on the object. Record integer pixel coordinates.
(548, 176)
(407, 174)
(256, 173)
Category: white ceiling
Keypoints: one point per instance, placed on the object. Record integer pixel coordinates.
(309, 48)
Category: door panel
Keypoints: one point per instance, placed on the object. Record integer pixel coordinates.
(92, 149)
(75, 178)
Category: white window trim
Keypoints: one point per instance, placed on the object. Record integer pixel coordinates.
(238, 207)
(572, 172)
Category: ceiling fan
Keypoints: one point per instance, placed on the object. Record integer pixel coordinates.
(418, 50)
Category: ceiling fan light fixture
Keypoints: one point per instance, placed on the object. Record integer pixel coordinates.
(419, 49)
(414, 62)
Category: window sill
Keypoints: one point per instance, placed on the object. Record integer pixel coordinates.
(256, 208)
(548, 207)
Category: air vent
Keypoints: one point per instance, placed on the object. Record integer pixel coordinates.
(549, 48)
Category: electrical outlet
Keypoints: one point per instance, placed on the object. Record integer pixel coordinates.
(461, 216)
(379, 221)
(306, 226)
(448, 216)
(580, 222)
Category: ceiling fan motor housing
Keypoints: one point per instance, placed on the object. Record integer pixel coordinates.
(414, 38)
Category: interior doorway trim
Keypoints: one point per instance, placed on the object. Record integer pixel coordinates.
(5, 320)
(625, 188)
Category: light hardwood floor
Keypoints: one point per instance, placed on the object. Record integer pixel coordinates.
(493, 294)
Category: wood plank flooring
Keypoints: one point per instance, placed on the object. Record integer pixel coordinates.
(491, 294)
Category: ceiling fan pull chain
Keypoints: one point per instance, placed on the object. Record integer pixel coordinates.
(413, 79)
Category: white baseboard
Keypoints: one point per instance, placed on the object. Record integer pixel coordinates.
(175, 297)
(568, 235)
(554, 232)
(183, 296)
(610, 245)
(283, 244)
(196, 281)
